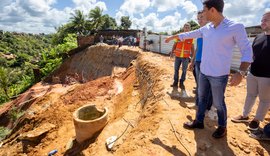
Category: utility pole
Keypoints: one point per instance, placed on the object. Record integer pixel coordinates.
(144, 41)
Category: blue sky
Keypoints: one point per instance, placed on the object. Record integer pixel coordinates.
(42, 16)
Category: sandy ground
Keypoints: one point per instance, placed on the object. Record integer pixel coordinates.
(145, 113)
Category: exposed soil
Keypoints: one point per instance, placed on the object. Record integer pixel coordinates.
(145, 113)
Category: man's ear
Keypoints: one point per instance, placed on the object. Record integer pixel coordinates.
(213, 10)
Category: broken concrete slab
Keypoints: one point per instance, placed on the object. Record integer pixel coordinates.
(35, 134)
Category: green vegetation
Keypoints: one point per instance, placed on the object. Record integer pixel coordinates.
(125, 22)
(85, 24)
(21, 53)
(15, 114)
(193, 25)
(25, 58)
(4, 132)
(17, 53)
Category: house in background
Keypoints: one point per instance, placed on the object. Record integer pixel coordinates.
(159, 45)
(253, 30)
(108, 36)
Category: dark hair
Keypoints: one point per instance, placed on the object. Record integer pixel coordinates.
(200, 12)
(217, 4)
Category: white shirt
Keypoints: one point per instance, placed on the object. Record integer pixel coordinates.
(218, 44)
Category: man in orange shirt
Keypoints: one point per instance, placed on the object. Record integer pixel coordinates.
(182, 52)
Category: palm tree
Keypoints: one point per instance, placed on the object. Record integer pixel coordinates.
(78, 21)
(125, 22)
(109, 22)
(96, 18)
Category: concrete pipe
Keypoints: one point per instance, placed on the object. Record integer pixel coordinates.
(88, 120)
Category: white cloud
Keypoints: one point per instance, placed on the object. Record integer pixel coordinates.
(29, 16)
(34, 16)
(165, 5)
(153, 22)
(118, 16)
(131, 7)
(247, 12)
(36, 8)
(189, 7)
(38, 16)
(85, 6)
(5, 3)
(11, 13)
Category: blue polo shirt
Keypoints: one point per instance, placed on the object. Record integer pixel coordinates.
(199, 49)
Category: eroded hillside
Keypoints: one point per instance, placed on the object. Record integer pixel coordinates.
(145, 113)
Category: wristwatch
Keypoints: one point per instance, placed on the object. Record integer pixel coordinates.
(242, 72)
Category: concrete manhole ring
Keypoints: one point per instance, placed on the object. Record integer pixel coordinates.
(88, 120)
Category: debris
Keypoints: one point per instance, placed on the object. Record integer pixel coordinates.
(118, 86)
(240, 147)
(174, 131)
(212, 113)
(260, 150)
(53, 152)
(190, 105)
(128, 123)
(110, 141)
(36, 133)
(234, 143)
(56, 80)
(246, 150)
(188, 140)
(134, 93)
(69, 144)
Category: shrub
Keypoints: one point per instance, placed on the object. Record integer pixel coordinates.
(4, 132)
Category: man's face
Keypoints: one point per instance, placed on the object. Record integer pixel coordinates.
(186, 28)
(201, 20)
(265, 22)
(207, 13)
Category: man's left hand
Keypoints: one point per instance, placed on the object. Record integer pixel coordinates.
(168, 39)
(191, 66)
(236, 79)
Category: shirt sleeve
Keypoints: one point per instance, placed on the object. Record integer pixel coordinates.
(192, 34)
(244, 44)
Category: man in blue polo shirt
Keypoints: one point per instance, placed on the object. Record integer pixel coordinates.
(196, 62)
(219, 38)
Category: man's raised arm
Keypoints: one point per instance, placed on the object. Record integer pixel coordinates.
(192, 34)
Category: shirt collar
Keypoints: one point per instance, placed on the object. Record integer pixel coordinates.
(222, 23)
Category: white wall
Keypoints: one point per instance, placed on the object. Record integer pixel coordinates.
(236, 58)
(160, 46)
(166, 48)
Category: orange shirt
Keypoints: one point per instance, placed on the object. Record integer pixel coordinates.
(183, 48)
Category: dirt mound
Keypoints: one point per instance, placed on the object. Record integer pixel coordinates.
(85, 92)
(145, 114)
(92, 63)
